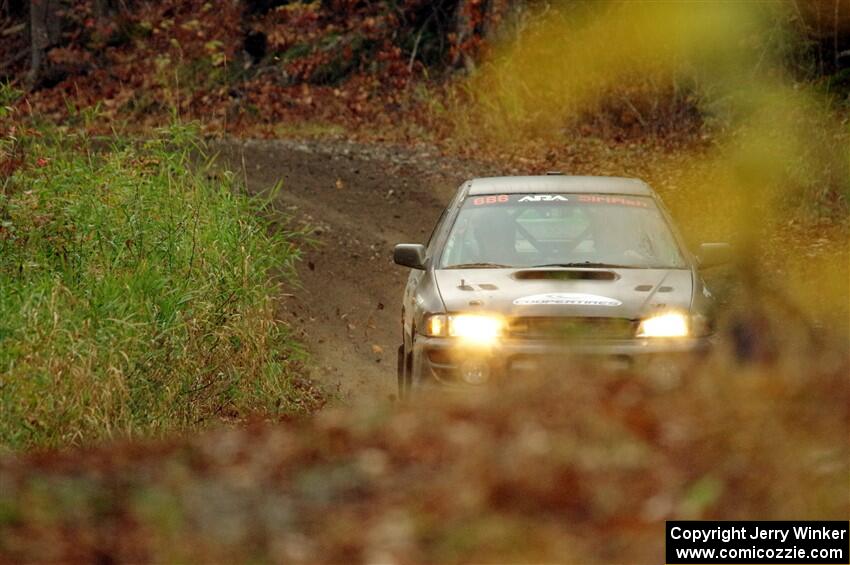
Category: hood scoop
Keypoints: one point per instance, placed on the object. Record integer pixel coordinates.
(564, 275)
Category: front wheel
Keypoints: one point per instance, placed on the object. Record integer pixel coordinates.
(400, 369)
(405, 372)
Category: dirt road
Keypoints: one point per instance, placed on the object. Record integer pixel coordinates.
(359, 201)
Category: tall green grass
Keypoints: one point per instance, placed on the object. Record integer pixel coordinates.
(136, 293)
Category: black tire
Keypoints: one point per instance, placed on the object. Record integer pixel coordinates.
(405, 373)
(408, 375)
(400, 369)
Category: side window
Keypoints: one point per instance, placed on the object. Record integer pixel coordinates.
(437, 226)
(653, 243)
(436, 229)
(459, 240)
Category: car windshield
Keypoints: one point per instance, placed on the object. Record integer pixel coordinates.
(531, 230)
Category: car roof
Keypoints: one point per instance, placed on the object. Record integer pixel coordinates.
(557, 184)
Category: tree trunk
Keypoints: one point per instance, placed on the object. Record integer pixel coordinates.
(474, 22)
(465, 16)
(45, 31)
(102, 8)
(39, 38)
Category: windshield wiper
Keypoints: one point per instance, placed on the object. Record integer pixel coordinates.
(589, 264)
(478, 266)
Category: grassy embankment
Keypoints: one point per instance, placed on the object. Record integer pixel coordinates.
(136, 292)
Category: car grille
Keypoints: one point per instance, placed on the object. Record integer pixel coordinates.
(571, 328)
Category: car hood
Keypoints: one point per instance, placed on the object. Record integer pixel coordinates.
(620, 293)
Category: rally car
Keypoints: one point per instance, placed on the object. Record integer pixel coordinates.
(520, 271)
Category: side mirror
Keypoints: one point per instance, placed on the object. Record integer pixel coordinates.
(713, 254)
(409, 255)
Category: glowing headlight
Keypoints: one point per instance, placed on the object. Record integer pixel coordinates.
(474, 328)
(664, 325)
(435, 326)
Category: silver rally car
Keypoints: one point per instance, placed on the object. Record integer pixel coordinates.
(521, 271)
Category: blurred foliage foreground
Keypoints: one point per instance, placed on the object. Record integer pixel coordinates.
(135, 292)
(583, 468)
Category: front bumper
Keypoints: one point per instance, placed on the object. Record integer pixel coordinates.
(445, 361)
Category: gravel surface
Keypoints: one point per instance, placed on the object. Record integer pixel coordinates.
(358, 201)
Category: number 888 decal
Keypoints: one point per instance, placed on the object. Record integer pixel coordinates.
(490, 199)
